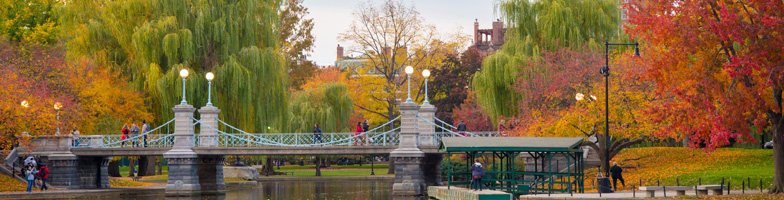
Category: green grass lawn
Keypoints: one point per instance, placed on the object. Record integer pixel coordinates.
(364, 166)
(684, 166)
(351, 172)
(124, 171)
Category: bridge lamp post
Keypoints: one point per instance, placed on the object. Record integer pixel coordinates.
(372, 158)
(409, 71)
(57, 107)
(426, 73)
(210, 76)
(183, 74)
(606, 72)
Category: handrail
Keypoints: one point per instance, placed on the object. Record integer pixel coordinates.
(448, 130)
(129, 138)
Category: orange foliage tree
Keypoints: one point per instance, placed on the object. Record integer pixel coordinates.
(37, 77)
(721, 64)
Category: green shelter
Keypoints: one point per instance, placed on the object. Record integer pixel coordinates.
(501, 171)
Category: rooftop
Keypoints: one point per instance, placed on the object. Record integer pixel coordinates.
(518, 144)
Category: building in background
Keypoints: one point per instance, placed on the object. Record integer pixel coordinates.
(489, 40)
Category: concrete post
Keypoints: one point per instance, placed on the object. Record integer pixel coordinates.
(426, 129)
(209, 117)
(409, 179)
(183, 161)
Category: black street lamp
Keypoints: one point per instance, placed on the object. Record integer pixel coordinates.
(606, 72)
(372, 158)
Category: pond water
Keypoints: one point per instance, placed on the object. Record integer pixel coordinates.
(284, 190)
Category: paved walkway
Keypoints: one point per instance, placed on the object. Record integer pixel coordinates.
(619, 195)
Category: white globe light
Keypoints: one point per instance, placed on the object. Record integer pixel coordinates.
(579, 96)
(426, 73)
(184, 73)
(57, 106)
(210, 76)
(25, 104)
(409, 70)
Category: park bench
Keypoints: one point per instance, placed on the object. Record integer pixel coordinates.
(650, 191)
(717, 189)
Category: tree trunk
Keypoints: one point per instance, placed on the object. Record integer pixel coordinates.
(159, 161)
(777, 132)
(146, 166)
(391, 166)
(318, 165)
(130, 167)
(269, 167)
(114, 168)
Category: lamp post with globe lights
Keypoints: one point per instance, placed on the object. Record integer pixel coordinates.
(57, 107)
(183, 74)
(409, 71)
(210, 76)
(605, 71)
(426, 73)
(26, 105)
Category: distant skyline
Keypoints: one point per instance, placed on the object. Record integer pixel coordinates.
(333, 17)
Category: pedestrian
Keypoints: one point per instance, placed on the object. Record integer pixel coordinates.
(461, 128)
(357, 132)
(317, 134)
(30, 161)
(365, 125)
(75, 136)
(134, 134)
(124, 136)
(501, 129)
(30, 175)
(476, 175)
(43, 173)
(145, 131)
(615, 172)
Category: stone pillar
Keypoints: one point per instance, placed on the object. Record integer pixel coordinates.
(93, 172)
(211, 174)
(407, 157)
(426, 129)
(431, 168)
(183, 161)
(63, 172)
(209, 117)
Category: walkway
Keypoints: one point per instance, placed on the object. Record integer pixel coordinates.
(618, 195)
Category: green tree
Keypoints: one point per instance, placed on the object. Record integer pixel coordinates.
(149, 41)
(535, 26)
(329, 105)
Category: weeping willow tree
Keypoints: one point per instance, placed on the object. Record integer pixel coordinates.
(535, 26)
(149, 41)
(329, 105)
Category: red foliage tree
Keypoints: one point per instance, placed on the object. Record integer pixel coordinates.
(720, 68)
(470, 113)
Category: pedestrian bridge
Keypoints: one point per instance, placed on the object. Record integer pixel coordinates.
(195, 149)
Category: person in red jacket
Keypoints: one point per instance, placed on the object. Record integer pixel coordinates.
(357, 132)
(125, 132)
(43, 174)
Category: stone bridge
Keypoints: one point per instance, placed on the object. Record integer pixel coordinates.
(195, 161)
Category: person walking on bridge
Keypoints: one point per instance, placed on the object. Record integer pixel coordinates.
(317, 134)
(145, 129)
(357, 137)
(134, 134)
(125, 132)
(461, 128)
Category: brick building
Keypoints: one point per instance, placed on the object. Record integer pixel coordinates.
(489, 40)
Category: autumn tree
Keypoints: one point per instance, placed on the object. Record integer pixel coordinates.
(149, 41)
(38, 77)
(470, 113)
(30, 20)
(389, 37)
(296, 39)
(719, 66)
(563, 95)
(448, 84)
(535, 26)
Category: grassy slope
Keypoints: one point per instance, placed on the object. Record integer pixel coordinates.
(668, 164)
(8, 184)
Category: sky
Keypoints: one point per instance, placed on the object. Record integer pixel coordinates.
(332, 17)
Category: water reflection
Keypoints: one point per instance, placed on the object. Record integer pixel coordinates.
(318, 190)
(285, 190)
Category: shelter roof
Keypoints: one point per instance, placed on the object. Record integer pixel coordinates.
(517, 144)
